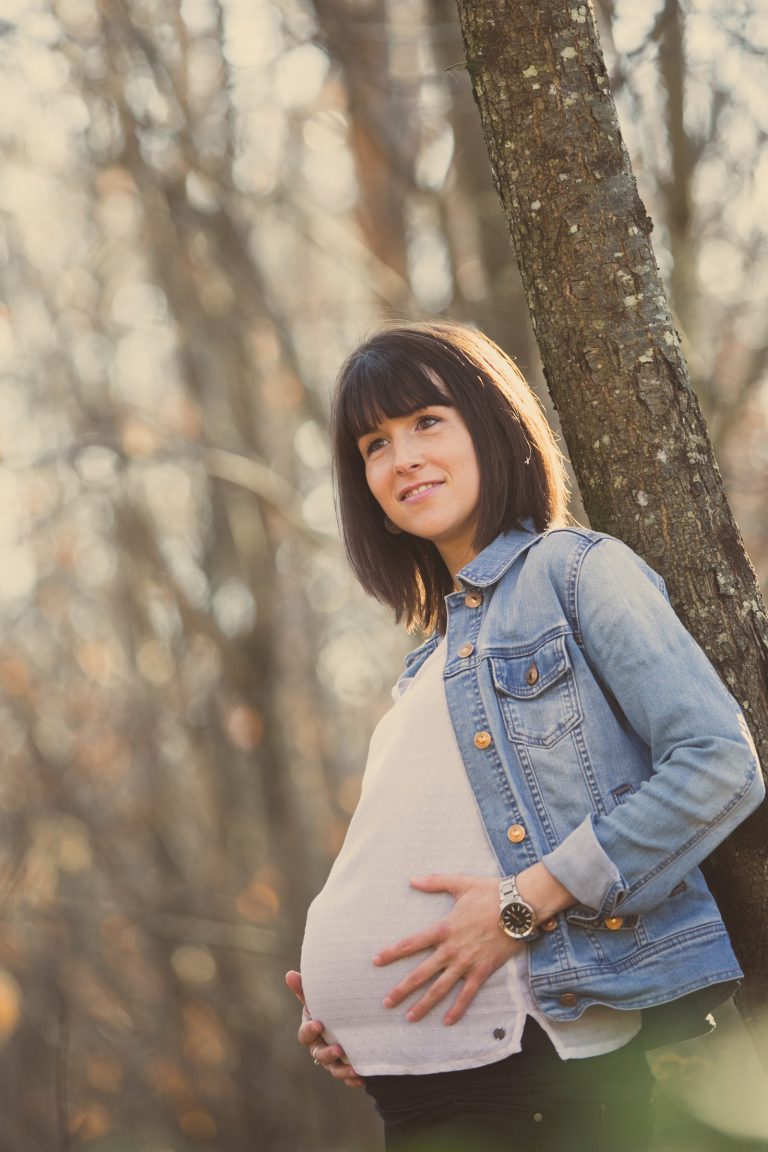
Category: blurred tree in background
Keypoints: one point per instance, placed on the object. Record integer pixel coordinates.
(202, 206)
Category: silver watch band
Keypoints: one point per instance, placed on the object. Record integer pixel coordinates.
(508, 891)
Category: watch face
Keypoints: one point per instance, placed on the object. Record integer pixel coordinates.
(516, 920)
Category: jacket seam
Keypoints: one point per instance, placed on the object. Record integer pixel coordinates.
(573, 600)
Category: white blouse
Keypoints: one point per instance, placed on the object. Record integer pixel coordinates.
(416, 816)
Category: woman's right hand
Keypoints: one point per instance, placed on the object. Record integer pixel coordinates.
(331, 1056)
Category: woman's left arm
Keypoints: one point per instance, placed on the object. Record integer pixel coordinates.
(706, 777)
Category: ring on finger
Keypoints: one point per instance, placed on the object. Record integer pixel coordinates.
(312, 1052)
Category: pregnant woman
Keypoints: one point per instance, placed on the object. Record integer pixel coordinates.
(517, 911)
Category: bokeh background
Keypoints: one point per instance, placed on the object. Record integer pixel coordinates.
(203, 205)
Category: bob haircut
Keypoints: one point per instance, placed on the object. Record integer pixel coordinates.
(522, 472)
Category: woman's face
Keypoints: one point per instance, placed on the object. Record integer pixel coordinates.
(422, 469)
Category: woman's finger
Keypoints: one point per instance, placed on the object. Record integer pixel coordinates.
(469, 989)
(293, 980)
(434, 994)
(432, 966)
(310, 1032)
(332, 1058)
(327, 1054)
(441, 882)
(419, 942)
(340, 1069)
(346, 1075)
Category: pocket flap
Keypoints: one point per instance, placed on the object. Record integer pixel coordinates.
(527, 676)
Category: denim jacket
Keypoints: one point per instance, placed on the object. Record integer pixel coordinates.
(598, 739)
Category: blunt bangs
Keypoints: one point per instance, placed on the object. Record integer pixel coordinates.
(380, 386)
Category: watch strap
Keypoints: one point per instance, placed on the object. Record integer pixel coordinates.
(508, 891)
(509, 894)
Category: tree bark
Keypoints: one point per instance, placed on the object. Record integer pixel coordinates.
(614, 367)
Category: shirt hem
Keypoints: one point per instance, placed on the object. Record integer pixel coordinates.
(480, 1060)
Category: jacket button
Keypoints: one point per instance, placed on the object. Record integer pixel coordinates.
(466, 649)
(614, 922)
(482, 739)
(549, 925)
(516, 833)
(473, 599)
(532, 675)
(568, 999)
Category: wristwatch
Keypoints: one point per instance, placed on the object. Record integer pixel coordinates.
(516, 917)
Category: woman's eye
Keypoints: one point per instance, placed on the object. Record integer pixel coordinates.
(373, 445)
(426, 421)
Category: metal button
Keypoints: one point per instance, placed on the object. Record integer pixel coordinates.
(516, 833)
(538, 1117)
(568, 999)
(532, 675)
(614, 922)
(549, 925)
(466, 649)
(499, 1033)
(482, 739)
(473, 599)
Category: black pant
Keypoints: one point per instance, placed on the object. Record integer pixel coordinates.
(530, 1102)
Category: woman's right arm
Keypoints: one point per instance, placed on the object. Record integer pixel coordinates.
(331, 1056)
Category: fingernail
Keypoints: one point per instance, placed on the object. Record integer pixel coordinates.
(411, 1016)
(389, 1002)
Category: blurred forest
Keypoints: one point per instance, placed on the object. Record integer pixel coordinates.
(203, 205)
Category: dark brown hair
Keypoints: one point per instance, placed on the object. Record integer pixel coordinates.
(522, 473)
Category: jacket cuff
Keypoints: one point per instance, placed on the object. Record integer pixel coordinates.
(582, 866)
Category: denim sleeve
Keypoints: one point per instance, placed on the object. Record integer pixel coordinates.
(705, 776)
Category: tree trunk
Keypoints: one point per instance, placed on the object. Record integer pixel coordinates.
(614, 367)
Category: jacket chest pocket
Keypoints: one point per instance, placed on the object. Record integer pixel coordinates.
(537, 694)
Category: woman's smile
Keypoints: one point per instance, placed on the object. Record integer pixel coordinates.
(414, 491)
(422, 469)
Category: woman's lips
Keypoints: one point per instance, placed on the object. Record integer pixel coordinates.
(418, 491)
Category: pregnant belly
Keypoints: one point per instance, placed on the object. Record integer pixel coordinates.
(345, 991)
(342, 986)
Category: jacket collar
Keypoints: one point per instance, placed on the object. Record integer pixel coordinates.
(490, 565)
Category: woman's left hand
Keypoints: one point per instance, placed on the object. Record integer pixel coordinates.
(466, 945)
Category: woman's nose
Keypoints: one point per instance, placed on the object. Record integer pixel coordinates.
(406, 453)
(406, 460)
